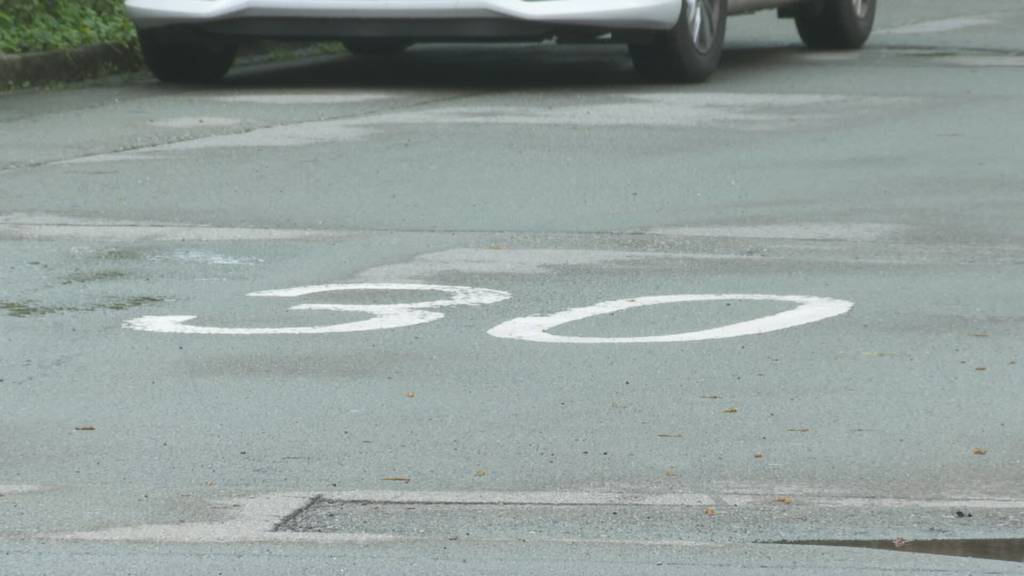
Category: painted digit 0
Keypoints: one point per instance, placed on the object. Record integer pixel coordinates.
(810, 309)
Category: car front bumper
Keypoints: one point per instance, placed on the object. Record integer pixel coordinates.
(603, 14)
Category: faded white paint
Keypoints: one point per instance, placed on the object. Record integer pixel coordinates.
(810, 309)
(204, 257)
(879, 503)
(845, 56)
(656, 109)
(294, 98)
(939, 26)
(252, 519)
(984, 61)
(504, 261)
(384, 317)
(125, 156)
(859, 232)
(14, 489)
(196, 122)
(568, 498)
(288, 135)
(283, 136)
(41, 226)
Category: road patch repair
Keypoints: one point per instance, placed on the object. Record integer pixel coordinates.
(593, 517)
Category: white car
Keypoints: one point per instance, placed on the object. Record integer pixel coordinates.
(669, 40)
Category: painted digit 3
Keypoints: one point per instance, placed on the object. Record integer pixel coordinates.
(383, 316)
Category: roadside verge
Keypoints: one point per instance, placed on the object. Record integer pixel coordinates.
(41, 68)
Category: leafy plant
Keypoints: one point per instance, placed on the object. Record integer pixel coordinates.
(36, 25)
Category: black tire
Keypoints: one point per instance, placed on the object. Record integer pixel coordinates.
(674, 55)
(376, 46)
(836, 24)
(186, 56)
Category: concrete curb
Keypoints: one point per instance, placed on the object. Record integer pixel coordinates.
(66, 65)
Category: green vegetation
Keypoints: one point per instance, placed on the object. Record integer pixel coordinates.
(36, 25)
(29, 308)
(83, 277)
(26, 309)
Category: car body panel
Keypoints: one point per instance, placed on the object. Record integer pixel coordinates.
(610, 14)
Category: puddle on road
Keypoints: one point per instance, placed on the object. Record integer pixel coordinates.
(1010, 549)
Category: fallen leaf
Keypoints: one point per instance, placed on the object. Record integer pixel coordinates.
(730, 411)
(480, 473)
(711, 397)
(981, 368)
(879, 354)
(899, 542)
(980, 334)
(710, 511)
(784, 500)
(85, 428)
(410, 394)
(758, 455)
(670, 472)
(398, 479)
(798, 430)
(670, 435)
(979, 451)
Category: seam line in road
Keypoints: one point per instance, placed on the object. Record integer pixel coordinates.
(354, 116)
(298, 511)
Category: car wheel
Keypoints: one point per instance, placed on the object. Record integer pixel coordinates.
(376, 46)
(836, 24)
(186, 56)
(691, 50)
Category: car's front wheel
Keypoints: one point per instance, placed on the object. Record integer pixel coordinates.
(836, 24)
(691, 50)
(186, 56)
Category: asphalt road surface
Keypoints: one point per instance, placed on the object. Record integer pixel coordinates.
(510, 310)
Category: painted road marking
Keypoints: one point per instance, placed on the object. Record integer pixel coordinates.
(740, 111)
(810, 309)
(12, 489)
(293, 98)
(938, 26)
(531, 328)
(521, 498)
(196, 122)
(41, 226)
(385, 316)
(851, 232)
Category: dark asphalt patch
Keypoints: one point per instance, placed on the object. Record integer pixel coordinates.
(1010, 549)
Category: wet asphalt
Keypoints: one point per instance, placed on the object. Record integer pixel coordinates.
(888, 178)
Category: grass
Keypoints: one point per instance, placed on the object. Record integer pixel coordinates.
(28, 308)
(40, 25)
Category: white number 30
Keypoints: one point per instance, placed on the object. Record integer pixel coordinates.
(532, 328)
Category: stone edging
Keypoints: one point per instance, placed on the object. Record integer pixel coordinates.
(66, 65)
